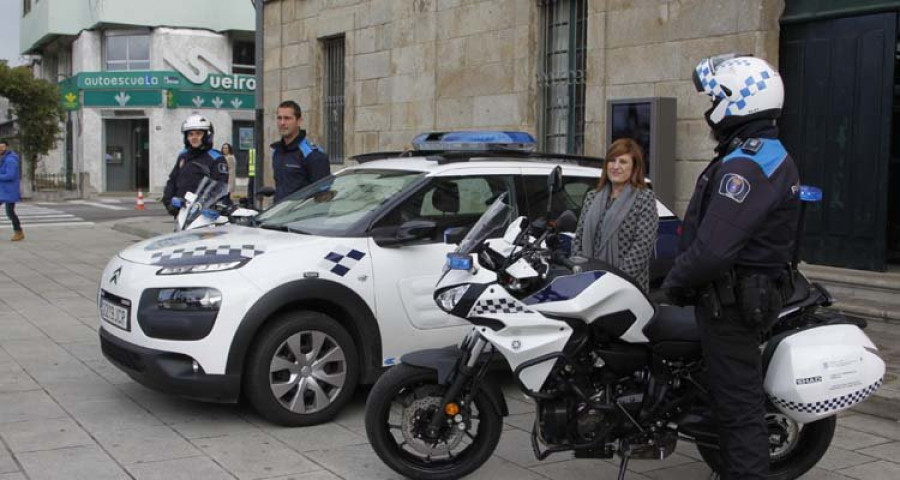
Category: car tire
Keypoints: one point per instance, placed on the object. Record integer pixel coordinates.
(302, 369)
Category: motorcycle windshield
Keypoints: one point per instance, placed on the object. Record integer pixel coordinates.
(208, 192)
(495, 218)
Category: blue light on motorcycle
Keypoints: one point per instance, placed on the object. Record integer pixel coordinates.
(456, 261)
(810, 194)
(210, 214)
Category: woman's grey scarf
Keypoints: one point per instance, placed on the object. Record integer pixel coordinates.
(606, 222)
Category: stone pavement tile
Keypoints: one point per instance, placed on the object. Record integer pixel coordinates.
(888, 451)
(320, 475)
(498, 469)
(71, 333)
(316, 437)
(172, 409)
(355, 461)
(837, 458)
(110, 372)
(254, 455)
(14, 379)
(688, 449)
(7, 464)
(688, 471)
(86, 351)
(18, 329)
(112, 414)
(12, 476)
(873, 425)
(68, 393)
(212, 427)
(880, 470)
(518, 407)
(584, 468)
(850, 439)
(515, 446)
(31, 405)
(49, 434)
(68, 463)
(816, 473)
(522, 421)
(353, 415)
(193, 468)
(145, 444)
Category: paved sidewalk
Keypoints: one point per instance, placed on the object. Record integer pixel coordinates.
(66, 413)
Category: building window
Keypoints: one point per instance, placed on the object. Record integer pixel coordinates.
(128, 52)
(26, 7)
(562, 76)
(243, 59)
(334, 98)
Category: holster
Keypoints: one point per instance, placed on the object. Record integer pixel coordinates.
(754, 295)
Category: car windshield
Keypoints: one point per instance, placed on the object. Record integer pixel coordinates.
(334, 204)
(496, 217)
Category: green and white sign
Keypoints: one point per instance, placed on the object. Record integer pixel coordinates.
(157, 80)
(122, 98)
(205, 99)
(69, 96)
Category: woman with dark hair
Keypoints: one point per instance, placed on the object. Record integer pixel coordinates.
(228, 152)
(618, 221)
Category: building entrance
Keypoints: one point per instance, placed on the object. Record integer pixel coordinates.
(127, 155)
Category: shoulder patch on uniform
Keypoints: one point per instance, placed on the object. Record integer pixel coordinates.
(734, 187)
(305, 148)
(769, 155)
(223, 168)
(215, 154)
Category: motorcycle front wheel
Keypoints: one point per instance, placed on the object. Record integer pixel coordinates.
(793, 448)
(398, 411)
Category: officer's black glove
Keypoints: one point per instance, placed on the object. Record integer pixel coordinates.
(173, 210)
(681, 296)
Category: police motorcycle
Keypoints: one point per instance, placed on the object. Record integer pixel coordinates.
(609, 372)
(207, 206)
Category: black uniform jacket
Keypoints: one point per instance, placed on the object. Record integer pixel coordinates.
(744, 212)
(297, 164)
(192, 165)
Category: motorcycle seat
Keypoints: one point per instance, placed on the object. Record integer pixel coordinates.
(672, 324)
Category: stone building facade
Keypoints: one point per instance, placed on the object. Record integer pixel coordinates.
(423, 65)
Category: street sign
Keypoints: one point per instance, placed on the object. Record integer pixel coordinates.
(163, 79)
(204, 99)
(69, 97)
(122, 98)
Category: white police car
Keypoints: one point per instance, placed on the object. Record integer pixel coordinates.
(328, 287)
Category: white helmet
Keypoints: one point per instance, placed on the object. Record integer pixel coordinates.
(742, 88)
(197, 122)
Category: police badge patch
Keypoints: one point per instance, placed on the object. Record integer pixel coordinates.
(223, 168)
(735, 187)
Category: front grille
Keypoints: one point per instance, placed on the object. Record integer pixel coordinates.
(121, 356)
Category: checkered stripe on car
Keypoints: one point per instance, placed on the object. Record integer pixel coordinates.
(830, 405)
(204, 254)
(498, 305)
(341, 260)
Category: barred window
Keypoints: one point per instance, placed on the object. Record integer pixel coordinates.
(561, 79)
(334, 98)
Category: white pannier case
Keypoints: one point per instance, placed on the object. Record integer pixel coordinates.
(818, 372)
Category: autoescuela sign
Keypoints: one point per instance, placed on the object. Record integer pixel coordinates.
(160, 80)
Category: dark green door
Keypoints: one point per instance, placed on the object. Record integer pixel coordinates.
(836, 123)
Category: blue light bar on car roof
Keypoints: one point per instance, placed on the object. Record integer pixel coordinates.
(475, 140)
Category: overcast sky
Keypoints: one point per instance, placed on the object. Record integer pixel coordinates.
(10, 12)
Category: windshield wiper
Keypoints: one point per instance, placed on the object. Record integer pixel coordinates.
(282, 228)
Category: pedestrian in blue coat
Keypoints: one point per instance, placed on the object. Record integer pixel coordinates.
(9, 187)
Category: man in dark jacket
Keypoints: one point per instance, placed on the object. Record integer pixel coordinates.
(735, 250)
(296, 162)
(197, 160)
(9, 187)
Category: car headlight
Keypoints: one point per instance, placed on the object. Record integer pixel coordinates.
(448, 299)
(201, 267)
(189, 299)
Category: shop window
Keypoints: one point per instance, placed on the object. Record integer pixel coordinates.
(127, 52)
(562, 75)
(243, 59)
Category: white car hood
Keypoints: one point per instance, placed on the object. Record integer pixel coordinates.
(214, 245)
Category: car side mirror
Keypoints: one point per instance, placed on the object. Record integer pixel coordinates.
(567, 222)
(411, 231)
(266, 192)
(455, 235)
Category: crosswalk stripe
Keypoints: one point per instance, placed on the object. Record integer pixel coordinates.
(97, 204)
(27, 226)
(31, 216)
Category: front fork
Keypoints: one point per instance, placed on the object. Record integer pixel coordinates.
(467, 369)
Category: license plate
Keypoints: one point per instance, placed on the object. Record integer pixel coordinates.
(114, 314)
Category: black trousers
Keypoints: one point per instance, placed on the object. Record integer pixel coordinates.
(11, 214)
(731, 352)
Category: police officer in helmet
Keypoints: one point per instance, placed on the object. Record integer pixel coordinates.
(197, 160)
(736, 247)
(296, 161)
